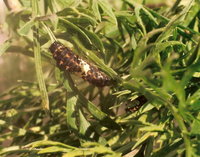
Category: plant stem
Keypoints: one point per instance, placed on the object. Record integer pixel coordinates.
(182, 127)
(50, 33)
(37, 57)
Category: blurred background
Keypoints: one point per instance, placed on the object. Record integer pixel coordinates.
(14, 66)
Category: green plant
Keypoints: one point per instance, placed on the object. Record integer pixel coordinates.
(148, 52)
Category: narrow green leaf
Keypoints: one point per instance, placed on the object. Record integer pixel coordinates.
(143, 138)
(143, 47)
(189, 73)
(195, 55)
(48, 4)
(162, 46)
(72, 100)
(153, 128)
(84, 15)
(54, 149)
(64, 3)
(70, 25)
(66, 12)
(192, 13)
(168, 149)
(195, 104)
(82, 21)
(107, 8)
(4, 47)
(71, 112)
(101, 150)
(168, 84)
(25, 29)
(95, 40)
(91, 148)
(13, 149)
(79, 152)
(151, 17)
(196, 127)
(139, 20)
(126, 147)
(121, 93)
(48, 143)
(137, 8)
(133, 42)
(84, 124)
(95, 9)
(37, 57)
(58, 75)
(150, 147)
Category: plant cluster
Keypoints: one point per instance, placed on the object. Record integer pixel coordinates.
(150, 52)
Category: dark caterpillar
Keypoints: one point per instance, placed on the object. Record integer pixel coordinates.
(67, 60)
(138, 103)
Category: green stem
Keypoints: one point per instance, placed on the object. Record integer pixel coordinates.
(37, 57)
(182, 127)
(50, 33)
(174, 7)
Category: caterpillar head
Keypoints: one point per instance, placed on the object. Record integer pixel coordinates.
(55, 46)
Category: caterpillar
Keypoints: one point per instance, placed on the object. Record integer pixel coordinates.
(67, 60)
(139, 102)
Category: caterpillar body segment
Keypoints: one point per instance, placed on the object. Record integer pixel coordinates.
(67, 60)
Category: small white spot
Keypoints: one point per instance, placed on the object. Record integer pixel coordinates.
(85, 66)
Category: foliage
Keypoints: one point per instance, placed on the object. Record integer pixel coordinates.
(148, 51)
